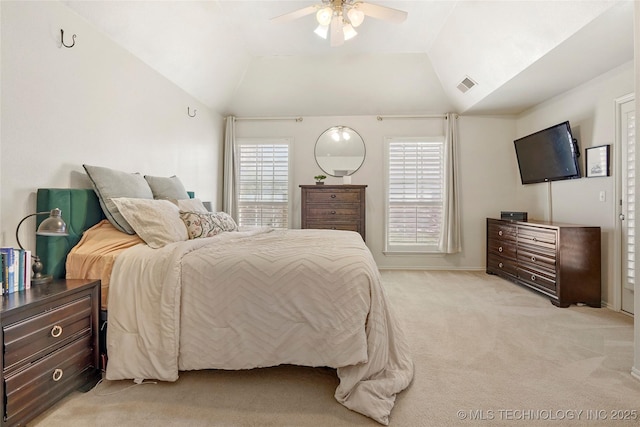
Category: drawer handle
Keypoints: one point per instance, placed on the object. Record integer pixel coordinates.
(57, 374)
(333, 212)
(333, 228)
(533, 259)
(500, 265)
(533, 277)
(500, 233)
(500, 249)
(333, 196)
(56, 331)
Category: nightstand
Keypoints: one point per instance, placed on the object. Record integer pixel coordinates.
(50, 346)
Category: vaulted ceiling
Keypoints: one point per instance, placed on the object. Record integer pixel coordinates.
(229, 54)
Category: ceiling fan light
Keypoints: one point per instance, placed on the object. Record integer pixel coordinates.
(349, 32)
(322, 31)
(356, 17)
(324, 15)
(346, 136)
(335, 136)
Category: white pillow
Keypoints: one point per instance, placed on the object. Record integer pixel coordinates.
(191, 205)
(157, 222)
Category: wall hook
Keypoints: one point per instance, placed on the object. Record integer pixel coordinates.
(189, 112)
(62, 39)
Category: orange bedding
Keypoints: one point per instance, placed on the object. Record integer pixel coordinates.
(95, 253)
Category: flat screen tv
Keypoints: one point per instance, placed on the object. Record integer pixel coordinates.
(548, 155)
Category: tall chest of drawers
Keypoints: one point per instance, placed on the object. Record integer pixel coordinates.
(50, 346)
(336, 207)
(561, 261)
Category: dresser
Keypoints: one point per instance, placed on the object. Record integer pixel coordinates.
(335, 207)
(561, 261)
(50, 346)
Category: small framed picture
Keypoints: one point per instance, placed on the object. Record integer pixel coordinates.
(597, 161)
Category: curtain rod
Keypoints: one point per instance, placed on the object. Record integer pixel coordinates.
(297, 119)
(425, 116)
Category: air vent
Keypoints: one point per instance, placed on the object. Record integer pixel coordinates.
(466, 84)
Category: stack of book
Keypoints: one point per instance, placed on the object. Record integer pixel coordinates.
(15, 265)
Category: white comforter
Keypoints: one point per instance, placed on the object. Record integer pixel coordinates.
(260, 298)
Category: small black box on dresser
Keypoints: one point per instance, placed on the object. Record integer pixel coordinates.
(513, 215)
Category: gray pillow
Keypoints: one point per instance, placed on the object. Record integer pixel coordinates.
(111, 183)
(166, 187)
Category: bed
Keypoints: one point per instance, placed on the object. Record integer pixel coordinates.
(242, 299)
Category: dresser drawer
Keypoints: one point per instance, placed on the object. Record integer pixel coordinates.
(28, 339)
(501, 231)
(538, 278)
(502, 248)
(331, 195)
(537, 257)
(330, 213)
(497, 264)
(324, 225)
(537, 236)
(53, 374)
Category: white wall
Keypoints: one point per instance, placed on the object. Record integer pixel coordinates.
(487, 172)
(94, 103)
(591, 113)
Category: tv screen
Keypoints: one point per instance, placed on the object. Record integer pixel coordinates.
(548, 155)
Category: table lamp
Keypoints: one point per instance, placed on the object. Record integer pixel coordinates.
(52, 226)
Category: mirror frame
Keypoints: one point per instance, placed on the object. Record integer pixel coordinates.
(324, 136)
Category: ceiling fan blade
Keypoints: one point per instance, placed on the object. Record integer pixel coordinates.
(382, 12)
(337, 33)
(295, 14)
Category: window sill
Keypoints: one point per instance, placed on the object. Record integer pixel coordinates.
(412, 253)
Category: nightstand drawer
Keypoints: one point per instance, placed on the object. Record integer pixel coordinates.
(29, 339)
(52, 375)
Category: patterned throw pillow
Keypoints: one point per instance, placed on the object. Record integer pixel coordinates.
(226, 222)
(200, 224)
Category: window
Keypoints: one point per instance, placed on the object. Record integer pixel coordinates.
(263, 182)
(415, 194)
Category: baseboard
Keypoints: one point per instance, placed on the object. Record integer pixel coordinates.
(434, 268)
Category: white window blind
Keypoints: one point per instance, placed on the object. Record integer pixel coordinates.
(263, 183)
(415, 194)
(630, 197)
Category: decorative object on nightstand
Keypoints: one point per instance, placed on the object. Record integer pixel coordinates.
(52, 226)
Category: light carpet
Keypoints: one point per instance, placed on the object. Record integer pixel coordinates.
(486, 351)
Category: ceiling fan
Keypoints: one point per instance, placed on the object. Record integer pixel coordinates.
(339, 18)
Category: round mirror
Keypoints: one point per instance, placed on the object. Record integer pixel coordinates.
(340, 151)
